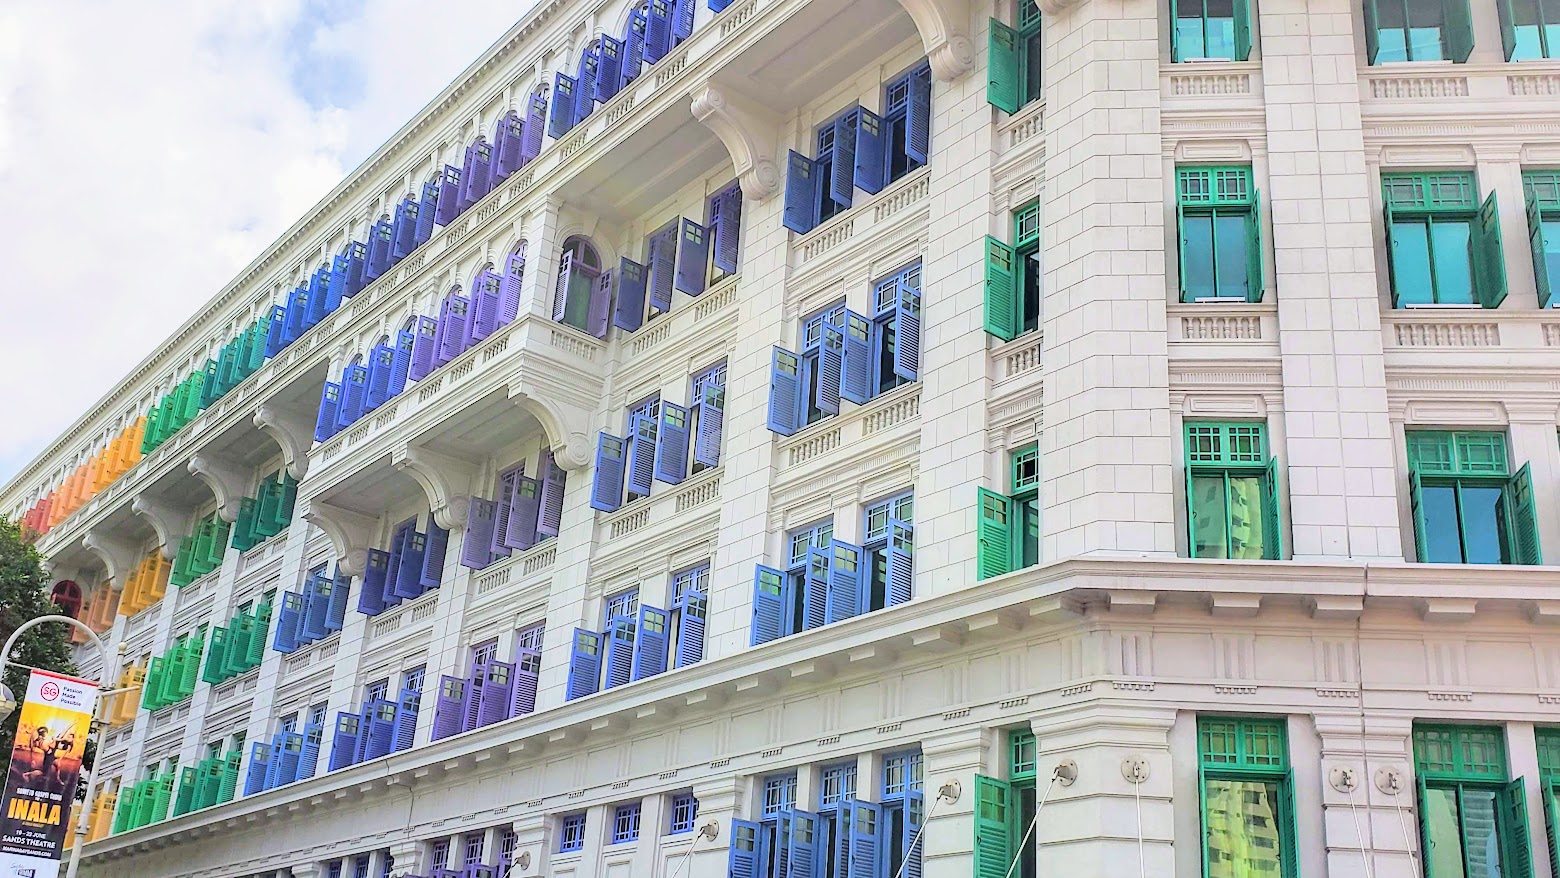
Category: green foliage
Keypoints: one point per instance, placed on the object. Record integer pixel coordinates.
(24, 596)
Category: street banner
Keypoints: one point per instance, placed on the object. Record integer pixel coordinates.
(51, 736)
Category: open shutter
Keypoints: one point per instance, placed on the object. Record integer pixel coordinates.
(994, 809)
(1002, 68)
(641, 456)
(584, 664)
(600, 306)
(743, 859)
(1372, 39)
(606, 493)
(380, 360)
(769, 589)
(1489, 261)
(842, 181)
(1417, 509)
(693, 258)
(658, 31)
(448, 207)
(553, 481)
(450, 708)
(1254, 255)
(682, 21)
(1242, 13)
(907, 344)
(915, 818)
(476, 548)
(376, 575)
(629, 311)
(315, 607)
(609, 72)
(1508, 31)
(803, 858)
(287, 622)
(1523, 518)
(1540, 251)
(424, 347)
(212, 672)
(1001, 290)
(528, 668)
(254, 776)
(407, 583)
(651, 645)
(856, 362)
(901, 565)
(1458, 28)
(498, 691)
(871, 151)
(336, 613)
(1273, 535)
(330, 401)
(994, 547)
(831, 356)
(691, 618)
(801, 193)
(671, 450)
(1517, 846)
(1552, 825)
(918, 117)
(785, 392)
(433, 559)
(706, 445)
(400, 363)
(1423, 810)
(634, 46)
(309, 759)
(507, 484)
(535, 119)
(815, 588)
(560, 117)
(525, 507)
(585, 83)
(842, 600)
(561, 288)
(865, 819)
(662, 267)
(426, 208)
(727, 230)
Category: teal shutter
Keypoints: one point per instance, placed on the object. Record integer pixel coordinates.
(1517, 845)
(1273, 544)
(1288, 838)
(1254, 242)
(1180, 245)
(993, 534)
(1417, 509)
(1524, 518)
(994, 813)
(1508, 30)
(1535, 220)
(1552, 831)
(1202, 810)
(1425, 858)
(1242, 29)
(1393, 259)
(1001, 290)
(1372, 42)
(1458, 30)
(1489, 263)
(1002, 79)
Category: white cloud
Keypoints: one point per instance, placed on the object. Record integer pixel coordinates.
(149, 152)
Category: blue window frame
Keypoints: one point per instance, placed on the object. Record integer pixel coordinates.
(625, 823)
(828, 205)
(647, 412)
(837, 785)
(877, 530)
(903, 809)
(690, 612)
(506, 846)
(889, 308)
(706, 416)
(813, 379)
(412, 678)
(360, 866)
(684, 809)
(474, 844)
(723, 217)
(898, 156)
(571, 833)
(779, 794)
(692, 580)
(378, 690)
(529, 638)
(386, 864)
(317, 715)
(439, 854)
(335, 869)
(623, 605)
(903, 773)
(289, 723)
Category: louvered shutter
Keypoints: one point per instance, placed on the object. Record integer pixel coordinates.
(528, 666)
(380, 360)
(378, 251)
(915, 818)
(633, 46)
(408, 574)
(292, 757)
(671, 450)
(371, 596)
(815, 588)
(785, 392)
(856, 359)
(682, 20)
(584, 664)
(621, 635)
(426, 210)
(1457, 30)
(1523, 517)
(450, 709)
(476, 548)
(257, 642)
(871, 151)
(448, 207)
(693, 258)
(406, 709)
(184, 797)
(652, 644)
(993, 533)
(900, 562)
(662, 266)
(743, 858)
(1003, 83)
(212, 672)
(502, 506)
(357, 263)
(609, 74)
(641, 456)
(831, 355)
(1516, 843)
(1489, 260)
(309, 758)
(287, 622)
(381, 729)
(536, 118)
(658, 31)
(319, 295)
(344, 743)
(336, 611)
(554, 480)
(842, 181)
(918, 117)
(423, 343)
(1001, 290)
(843, 593)
(453, 344)
(803, 859)
(994, 809)
(316, 604)
(404, 232)
(865, 819)
(585, 83)
(1552, 823)
(354, 388)
(727, 230)
(498, 693)
(433, 560)
(801, 193)
(629, 311)
(561, 289)
(254, 776)
(1540, 251)
(525, 508)
(693, 613)
(607, 489)
(1417, 510)
(600, 304)
(400, 363)
(560, 116)
(706, 445)
(907, 341)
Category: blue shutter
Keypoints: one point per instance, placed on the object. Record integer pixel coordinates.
(606, 493)
(727, 230)
(371, 597)
(524, 509)
(480, 180)
(769, 593)
(535, 118)
(585, 83)
(662, 267)
(528, 669)
(484, 307)
(554, 480)
(273, 768)
(292, 756)
(406, 719)
(316, 606)
(276, 331)
(498, 691)
(842, 184)
(802, 846)
(785, 392)
(401, 362)
(621, 635)
(600, 304)
(380, 359)
(671, 450)
(448, 207)
(319, 295)
(424, 341)
(634, 47)
(918, 117)
(450, 708)
(658, 31)
(907, 340)
(452, 323)
(561, 292)
(629, 313)
(720, 5)
(682, 20)
(336, 289)
(340, 591)
(297, 314)
(815, 588)
(871, 151)
(584, 664)
(357, 263)
(856, 361)
(407, 583)
(476, 548)
(426, 210)
(651, 647)
(844, 591)
(865, 818)
(509, 288)
(641, 455)
(433, 560)
(354, 384)
(801, 193)
(609, 72)
(259, 760)
(287, 621)
(712, 416)
(560, 116)
(379, 247)
(693, 613)
(508, 138)
(831, 357)
(309, 759)
(330, 401)
(403, 237)
(901, 568)
(693, 258)
(743, 861)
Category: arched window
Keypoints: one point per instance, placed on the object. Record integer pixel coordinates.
(579, 300)
(67, 596)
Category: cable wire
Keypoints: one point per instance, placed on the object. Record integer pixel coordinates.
(925, 821)
(1354, 811)
(689, 855)
(1408, 843)
(1137, 796)
(1019, 854)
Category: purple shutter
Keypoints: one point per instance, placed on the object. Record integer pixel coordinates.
(606, 493)
(498, 692)
(871, 151)
(856, 361)
(371, 599)
(801, 193)
(601, 303)
(509, 137)
(340, 591)
(693, 258)
(663, 266)
(442, 328)
(769, 589)
(584, 665)
(671, 450)
(554, 480)
(918, 117)
(712, 416)
(401, 361)
(509, 288)
(842, 600)
(585, 83)
(450, 709)
(901, 567)
(344, 743)
(907, 341)
(380, 359)
(728, 230)
(609, 73)
(641, 455)
(621, 636)
(379, 246)
(629, 313)
(652, 644)
(560, 117)
(409, 566)
(693, 610)
(475, 550)
(354, 384)
(523, 513)
(682, 20)
(484, 306)
(842, 185)
(453, 344)
(381, 729)
(815, 588)
(424, 337)
(785, 392)
(448, 207)
(404, 237)
(426, 210)
(831, 355)
(501, 509)
(406, 718)
(561, 289)
(325, 423)
(433, 559)
(535, 119)
(634, 46)
(468, 173)
(528, 667)
(658, 31)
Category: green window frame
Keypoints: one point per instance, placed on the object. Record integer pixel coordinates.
(1462, 480)
(1218, 212)
(1549, 789)
(1246, 797)
(1008, 525)
(1536, 35)
(1541, 190)
(1417, 30)
(1013, 277)
(1443, 245)
(1463, 769)
(1004, 809)
(1201, 30)
(1014, 61)
(1228, 470)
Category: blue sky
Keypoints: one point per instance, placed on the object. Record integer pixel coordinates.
(148, 156)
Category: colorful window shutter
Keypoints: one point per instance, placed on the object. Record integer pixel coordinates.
(994, 555)
(1003, 84)
(856, 360)
(1001, 290)
(651, 643)
(693, 258)
(918, 117)
(524, 511)
(785, 392)
(406, 718)
(694, 612)
(769, 593)
(662, 267)
(871, 151)
(907, 346)
(658, 31)
(584, 664)
(671, 449)
(560, 117)
(815, 596)
(1489, 262)
(600, 308)
(641, 455)
(450, 710)
(607, 490)
(801, 193)
(994, 842)
(554, 480)
(476, 549)
(831, 357)
(842, 180)
(433, 559)
(727, 230)
(629, 312)
(371, 598)
(843, 591)
(901, 567)
(528, 666)
(706, 445)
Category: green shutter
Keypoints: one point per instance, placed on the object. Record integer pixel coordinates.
(192, 664)
(1508, 39)
(1417, 509)
(1001, 290)
(262, 626)
(1002, 66)
(1489, 262)
(1242, 29)
(995, 812)
(1271, 520)
(244, 528)
(993, 533)
(1288, 833)
(1458, 29)
(1372, 42)
(1180, 245)
(1254, 242)
(1424, 828)
(152, 684)
(1516, 843)
(214, 672)
(1392, 246)
(1535, 220)
(1552, 831)
(1524, 518)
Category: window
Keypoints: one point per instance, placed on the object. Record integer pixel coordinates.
(623, 605)
(412, 678)
(386, 864)
(824, 580)
(288, 723)
(1013, 274)
(723, 219)
(1005, 813)
(1417, 30)
(1211, 29)
(1014, 60)
(779, 793)
(690, 610)
(1472, 818)
(1218, 213)
(580, 300)
(887, 550)
(1443, 247)
(1231, 492)
(706, 416)
(893, 336)
(1530, 28)
(1248, 821)
(1008, 526)
(484, 653)
(529, 639)
(439, 854)
(1549, 790)
(684, 809)
(903, 155)
(625, 823)
(1467, 508)
(665, 443)
(474, 844)
(379, 690)
(360, 866)
(571, 833)
(335, 869)
(838, 785)
(507, 842)
(903, 807)
(1542, 189)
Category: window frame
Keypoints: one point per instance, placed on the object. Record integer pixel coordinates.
(683, 814)
(571, 833)
(1248, 766)
(1445, 197)
(1228, 464)
(896, 116)
(1473, 459)
(1509, 30)
(1220, 192)
(1241, 41)
(625, 823)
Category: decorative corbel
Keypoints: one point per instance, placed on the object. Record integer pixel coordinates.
(170, 524)
(225, 480)
(292, 432)
(948, 47)
(1056, 7)
(349, 532)
(445, 480)
(749, 131)
(118, 557)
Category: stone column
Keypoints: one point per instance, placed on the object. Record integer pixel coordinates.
(531, 841)
(1377, 798)
(948, 842)
(407, 858)
(541, 259)
(720, 801)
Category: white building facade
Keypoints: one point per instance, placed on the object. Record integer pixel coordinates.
(811, 438)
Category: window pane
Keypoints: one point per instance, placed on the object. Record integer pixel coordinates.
(1246, 537)
(1197, 241)
(577, 309)
(1453, 263)
(1524, 20)
(1480, 835)
(1552, 244)
(1028, 265)
(1029, 512)
(1209, 536)
(1438, 504)
(1241, 822)
(1028, 862)
(1483, 529)
(1220, 33)
(1391, 32)
(1411, 263)
(1189, 37)
(1032, 68)
(1230, 232)
(1424, 31)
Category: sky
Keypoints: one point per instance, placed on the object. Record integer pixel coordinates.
(148, 152)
